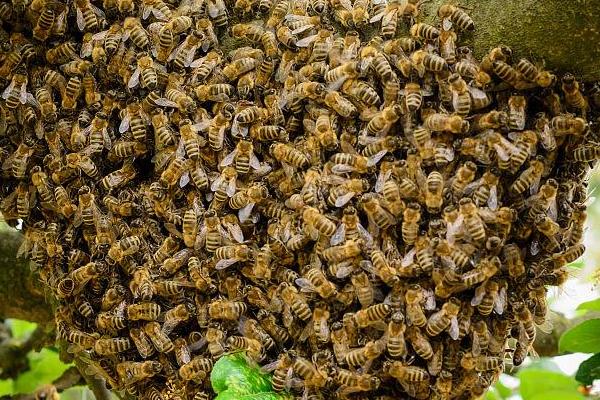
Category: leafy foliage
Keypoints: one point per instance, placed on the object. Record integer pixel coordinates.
(583, 338)
(593, 305)
(589, 370)
(537, 384)
(234, 378)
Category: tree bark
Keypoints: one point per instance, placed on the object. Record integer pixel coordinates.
(21, 292)
(563, 34)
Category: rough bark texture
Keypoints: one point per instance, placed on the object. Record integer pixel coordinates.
(563, 34)
(21, 293)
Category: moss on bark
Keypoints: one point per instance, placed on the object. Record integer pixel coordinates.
(563, 34)
(21, 293)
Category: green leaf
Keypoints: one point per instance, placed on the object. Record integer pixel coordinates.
(578, 264)
(492, 394)
(45, 367)
(535, 382)
(589, 370)
(544, 364)
(232, 372)
(6, 387)
(558, 395)
(593, 305)
(21, 329)
(583, 338)
(503, 390)
(234, 395)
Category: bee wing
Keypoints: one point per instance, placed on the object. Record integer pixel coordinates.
(216, 183)
(553, 210)
(86, 49)
(500, 301)
(341, 169)
(146, 11)
(377, 17)
(135, 79)
(159, 14)
(124, 125)
(231, 187)
(225, 263)
(429, 300)
(389, 17)
(534, 247)
(373, 160)
(307, 41)
(409, 258)
(8, 90)
(235, 232)
(165, 103)
(344, 270)
(184, 179)
(324, 328)
(302, 29)
(339, 236)
(346, 4)
(270, 367)
(476, 348)
(176, 52)
(447, 24)
(228, 160)
(364, 234)
(470, 188)
(254, 162)
(453, 330)
(477, 93)
(80, 19)
(212, 8)
(305, 285)
(479, 295)
(535, 185)
(493, 198)
(197, 62)
(244, 212)
(341, 201)
(107, 139)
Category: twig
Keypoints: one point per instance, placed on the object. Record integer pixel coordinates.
(96, 385)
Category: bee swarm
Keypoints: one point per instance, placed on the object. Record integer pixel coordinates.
(367, 217)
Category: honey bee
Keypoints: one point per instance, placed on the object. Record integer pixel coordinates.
(452, 14)
(131, 372)
(529, 178)
(112, 345)
(45, 23)
(481, 363)
(405, 373)
(423, 61)
(145, 311)
(16, 92)
(228, 310)
(132, 28)
(196, 370)
(424, 31)
(443, 122)
(229, 255)
(567, 125)
(573, 96)
(383, 121)
(534, 74)
(352, 382)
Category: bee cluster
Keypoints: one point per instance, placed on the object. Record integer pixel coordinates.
(366, 217)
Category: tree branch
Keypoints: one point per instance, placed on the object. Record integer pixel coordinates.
(96, 385)
(21, 292)
(13, 357)
(562, 33)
